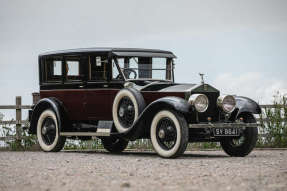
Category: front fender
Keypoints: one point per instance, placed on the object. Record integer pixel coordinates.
(244, 104)
(144, 120)
(44, 104)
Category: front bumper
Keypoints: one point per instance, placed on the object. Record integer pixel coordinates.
(223, 125)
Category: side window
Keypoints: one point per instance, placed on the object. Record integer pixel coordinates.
(57, 68)
(73, 68)
(98, 67)
(52, 70)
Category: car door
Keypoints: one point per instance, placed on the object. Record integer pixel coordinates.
(73, 93)
(98, 102)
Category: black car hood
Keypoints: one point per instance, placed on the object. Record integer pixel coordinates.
(165, 87)
(174, 87)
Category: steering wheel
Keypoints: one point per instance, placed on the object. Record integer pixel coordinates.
(127, 72)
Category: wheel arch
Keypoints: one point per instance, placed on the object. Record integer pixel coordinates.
(145, 118)
(45, 103)
(245, 105)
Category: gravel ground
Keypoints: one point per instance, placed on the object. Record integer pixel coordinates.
(197, 170)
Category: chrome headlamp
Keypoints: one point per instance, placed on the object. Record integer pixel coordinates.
(227, 103)
(199, 101)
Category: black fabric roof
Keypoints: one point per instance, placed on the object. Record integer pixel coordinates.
(117, 51)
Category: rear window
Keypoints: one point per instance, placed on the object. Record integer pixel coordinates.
(73, 69)
(52, 71)
(62, 69)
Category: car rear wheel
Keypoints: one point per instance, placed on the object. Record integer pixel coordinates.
(48, 133)
(243, 145)
(169, 134)
(114, 144)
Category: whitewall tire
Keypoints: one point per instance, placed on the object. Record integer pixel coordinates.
(169, 134)
(48, 134)
(122, 111)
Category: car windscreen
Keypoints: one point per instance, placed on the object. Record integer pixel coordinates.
(146, 68)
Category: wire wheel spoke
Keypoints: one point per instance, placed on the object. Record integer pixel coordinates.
(238, 141)
(48, 131)
(126, 112)
(47, 139)
(166, 133)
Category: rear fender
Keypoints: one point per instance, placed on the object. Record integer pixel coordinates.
(44, 104)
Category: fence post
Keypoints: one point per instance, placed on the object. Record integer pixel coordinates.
(18, 118)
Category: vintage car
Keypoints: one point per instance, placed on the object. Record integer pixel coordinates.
(123, 94)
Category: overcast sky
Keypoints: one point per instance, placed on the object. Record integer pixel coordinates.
(241, 46)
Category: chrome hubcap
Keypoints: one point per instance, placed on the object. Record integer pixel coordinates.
(44, 130)
(121, 112)
(161, 134)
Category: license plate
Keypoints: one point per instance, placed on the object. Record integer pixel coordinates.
(226, 131)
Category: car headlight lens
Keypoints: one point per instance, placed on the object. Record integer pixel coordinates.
(199, 101)
(227, 103)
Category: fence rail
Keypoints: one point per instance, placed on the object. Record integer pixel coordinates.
(15, 106)
(19, 122)
(13, 122)
(271, 106)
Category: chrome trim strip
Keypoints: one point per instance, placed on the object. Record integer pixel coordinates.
(89, 134)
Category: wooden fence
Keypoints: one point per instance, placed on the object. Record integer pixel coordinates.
(22, 123)
(18, 122)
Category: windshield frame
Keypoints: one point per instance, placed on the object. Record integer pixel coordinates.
(115, 60)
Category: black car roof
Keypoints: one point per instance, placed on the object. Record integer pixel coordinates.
(116, 51)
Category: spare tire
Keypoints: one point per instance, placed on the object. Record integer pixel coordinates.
(128, 105)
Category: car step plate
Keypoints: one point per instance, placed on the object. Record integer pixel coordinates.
(103, 129)
(219, 132)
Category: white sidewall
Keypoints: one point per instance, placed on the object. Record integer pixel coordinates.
(43, 116)
(117, 100)
(156, 146)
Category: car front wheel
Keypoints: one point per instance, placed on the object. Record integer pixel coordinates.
(243, 145)
(48, 133)
(169, 134)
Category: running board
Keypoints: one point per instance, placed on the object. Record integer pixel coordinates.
(103, 130)
(99, 133)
